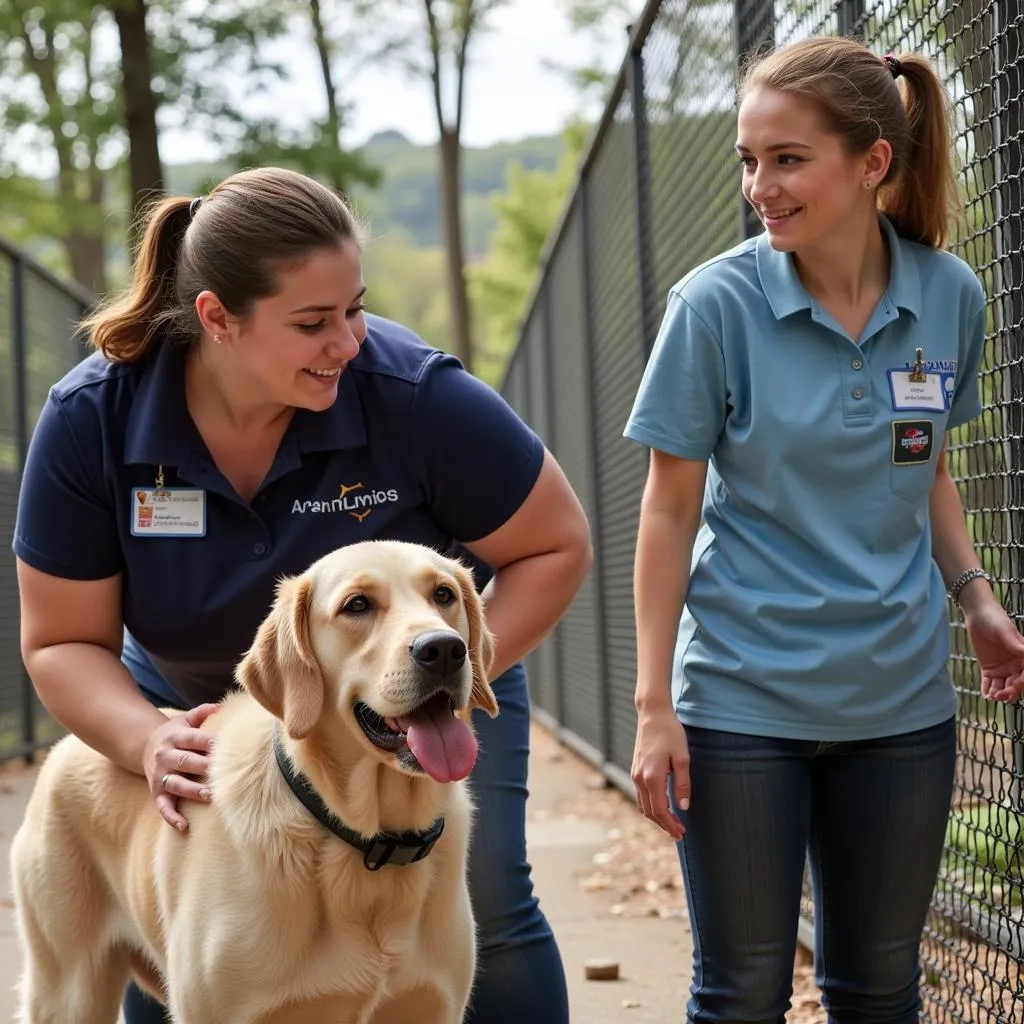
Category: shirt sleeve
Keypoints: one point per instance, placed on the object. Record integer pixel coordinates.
(681, 403)
(65, 526)
(965, 403)
(478, 459)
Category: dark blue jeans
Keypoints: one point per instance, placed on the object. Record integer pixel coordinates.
(519, 969)
(869, 815)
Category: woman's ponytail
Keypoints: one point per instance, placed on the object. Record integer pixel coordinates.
(923, 199)
(126, 329)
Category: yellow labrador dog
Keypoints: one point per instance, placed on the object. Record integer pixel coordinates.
(326, 880)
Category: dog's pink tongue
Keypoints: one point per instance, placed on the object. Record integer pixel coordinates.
(443, 744)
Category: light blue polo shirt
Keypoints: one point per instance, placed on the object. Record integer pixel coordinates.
(814, 608)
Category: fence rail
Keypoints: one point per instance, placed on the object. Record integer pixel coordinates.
(658, 193)
(38, 345)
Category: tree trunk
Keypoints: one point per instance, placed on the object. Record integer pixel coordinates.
(451, 190)
(146, 171)
(87, 254)
(333, 126)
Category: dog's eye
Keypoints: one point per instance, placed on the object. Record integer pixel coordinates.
(444, 595)
(356, 605)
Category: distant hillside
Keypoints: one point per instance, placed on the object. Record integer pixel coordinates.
(407, 201)
(404, 264)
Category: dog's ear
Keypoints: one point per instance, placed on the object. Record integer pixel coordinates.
(481, 645)
(280, 669)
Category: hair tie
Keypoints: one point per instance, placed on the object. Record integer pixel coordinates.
(193, 206)
(894, 65)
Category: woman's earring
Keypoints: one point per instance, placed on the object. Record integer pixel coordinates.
(867, 184)
(216, 339)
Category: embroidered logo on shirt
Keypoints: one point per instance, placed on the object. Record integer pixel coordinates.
(911, 442)
(355, 499)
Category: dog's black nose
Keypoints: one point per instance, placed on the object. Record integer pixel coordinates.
(439, 652)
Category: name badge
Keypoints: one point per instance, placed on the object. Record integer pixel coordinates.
(928, 394)
(168, 512)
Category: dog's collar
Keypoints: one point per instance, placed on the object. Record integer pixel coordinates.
(397, 849)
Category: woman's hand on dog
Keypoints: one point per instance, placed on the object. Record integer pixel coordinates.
(661, 755)
(176, 760)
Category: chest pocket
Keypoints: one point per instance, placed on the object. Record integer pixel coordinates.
(914, 444)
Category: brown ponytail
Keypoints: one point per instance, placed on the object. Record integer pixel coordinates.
(232, 243)
(922, 199)
(125, 329)
(860, 101)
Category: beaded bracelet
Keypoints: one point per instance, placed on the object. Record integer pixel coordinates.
(964, 578)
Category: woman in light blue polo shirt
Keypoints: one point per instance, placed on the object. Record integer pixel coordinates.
(793, 694)
(241, 372)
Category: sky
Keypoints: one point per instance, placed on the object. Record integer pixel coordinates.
(510, 92)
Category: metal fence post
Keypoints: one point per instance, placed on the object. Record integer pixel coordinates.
(850, 14)
(19, 346)
(590, 383)
(642, 196)
(547, 371)
(754, 22)
(1010, 95)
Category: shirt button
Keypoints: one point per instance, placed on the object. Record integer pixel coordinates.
(259, 549)
(857, 364)
(857, 393)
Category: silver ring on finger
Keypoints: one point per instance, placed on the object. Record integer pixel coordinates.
(163, 781)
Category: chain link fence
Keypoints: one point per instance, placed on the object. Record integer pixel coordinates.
(38, 345)
(658, 193)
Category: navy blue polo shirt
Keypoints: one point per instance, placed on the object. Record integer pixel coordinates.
(815, 609)
(415, 449)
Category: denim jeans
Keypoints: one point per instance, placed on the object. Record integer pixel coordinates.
(869, 815)
(519, 969)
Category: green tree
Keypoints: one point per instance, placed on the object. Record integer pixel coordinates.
(342, 169)
(58, 96)
(201, 50)
(69, 100)
(435, 47)
(405, 283)
(145, 170)
(502, 283)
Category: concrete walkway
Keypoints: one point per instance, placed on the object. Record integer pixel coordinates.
(565, 844)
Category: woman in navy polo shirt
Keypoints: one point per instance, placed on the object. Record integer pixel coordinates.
(793, 694)
(241, 376)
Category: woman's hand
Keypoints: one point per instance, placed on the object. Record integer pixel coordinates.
(176, 760)
(660, 750)
(999, 649)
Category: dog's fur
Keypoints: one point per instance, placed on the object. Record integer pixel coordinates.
(259, 915)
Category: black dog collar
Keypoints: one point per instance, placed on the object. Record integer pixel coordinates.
(397, 849)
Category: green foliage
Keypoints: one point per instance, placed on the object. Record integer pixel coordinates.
(404, 261)
(982, 862)
(603, 23)
(58, 97)
(406, 278)
(990, 834)
(405, 283)
(198, 53)
(501, 284)
(409, 190)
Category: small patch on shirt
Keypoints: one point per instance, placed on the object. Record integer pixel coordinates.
(911, 442)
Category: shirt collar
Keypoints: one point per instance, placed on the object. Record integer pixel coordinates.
(787, 295)
(161, 431)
